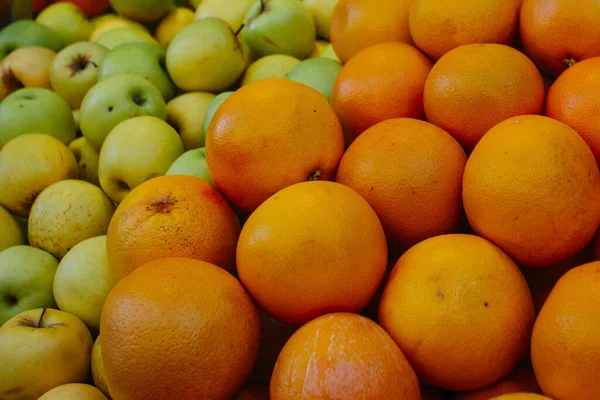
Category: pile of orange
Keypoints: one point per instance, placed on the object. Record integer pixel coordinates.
(460, 147)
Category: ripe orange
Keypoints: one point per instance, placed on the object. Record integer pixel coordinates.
(172, 216)
(342, 356)
(460, 310)
(505, 78)
(311, 249)
(381, 82)
(532, 186)
(437, 28)
(269, 135)
(178, 328)
(558, 33)
(520, 380)
(575, 100)
(521, 396)
(358, 24)
(410, 172)
(565, 346)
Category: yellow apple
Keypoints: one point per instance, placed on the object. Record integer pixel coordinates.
(272, 66)
(322, 11)
(98, 373)
(86, 156)
(11, 233)
(117, 36)
(186, 114)
(73, 391)
(233, 11)
(329, 52)
(320, 46)
(105, 23)
(25, 67)
(170, 25)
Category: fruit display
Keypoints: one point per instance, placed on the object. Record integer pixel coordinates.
(300, 200)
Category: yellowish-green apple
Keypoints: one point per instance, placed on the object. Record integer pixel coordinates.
(118, 36)
(11, 233)
(26, 32)
(193, 163)
(320, 46)
(212, 64)
(143, 59)
(212, 109)
(195, 3)
(272, 66)
(36, 110)
(74, 391)
(67, 20)
(233, 11)
(67, 213)
(106, 22)
(322, 11)
(98, 374)
(319, 73)
(329, 52)
(186, 114)
(75, 70)
(26, 276)
(170, 25)
(28, 164)
(41, 349)
(114, 100)
(142, 10)
(76, 119)
(135, 151)
(25, 67)
(86, 156)
(83, 280)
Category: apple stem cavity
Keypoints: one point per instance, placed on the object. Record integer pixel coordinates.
(262, 6)
(79, 63)
(39, 325)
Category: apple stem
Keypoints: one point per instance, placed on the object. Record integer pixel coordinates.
(239, 30)
(42, 316)
(262, 5)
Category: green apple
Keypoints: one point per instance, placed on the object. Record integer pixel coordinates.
(28, 164)
(98, 374)
(25, 32)
(115, 99)
(67, 213)
(74, 391)
(106, 22)
(75, 70)
(186, 114)
(86, 156)
(135, 151)
(142, 10)
(83, 280)
(319, 73)
(27, 66)
(26, 276)
(322, 12)
(212, 64)
(67, 20)
(41, 349)
(279, 27)
(233, 11)
(11, 233)
(143, 59)
(193, 163)
(329, 52)
(212, 109)
(115, 37)
(272, 66)
(36, 110)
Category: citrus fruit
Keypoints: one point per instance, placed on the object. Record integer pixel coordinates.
(172, 216)
(305, 241)
(519, 380)
(521, 396)
(508, 81)
(342, 356)
(450, 303)
(178, 328)
(269, 135)
(404, 153)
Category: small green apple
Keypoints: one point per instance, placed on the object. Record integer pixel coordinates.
(271, 66)
(143, 59)
(193, 163)
(233, 11)
(25, 32)
(115, 99)
(75, 70)
(28, 164)
(67, 213)
(319, 73)
(186, 114)
(36, 110)
(11, 233)
(212, 64)
(322, 12)
(67, 20)
(135, 151)
(212, 109)
(26, 277)
(264, 33)
(142, 10)
(115, 37)
(86, 156)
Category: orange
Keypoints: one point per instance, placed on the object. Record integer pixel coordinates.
(574, 99)
(254, 392)
(460, 310)
(521, 396)
(269, 135)
(172, 216)
(311, 249)
(410, 172)
(437, 28)
(358, 24)
(558, 33)
(520, 380)
(532, 186)
(565, 346)
(476, 86)
(342, 356)
(178, 328)
(381, 82)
